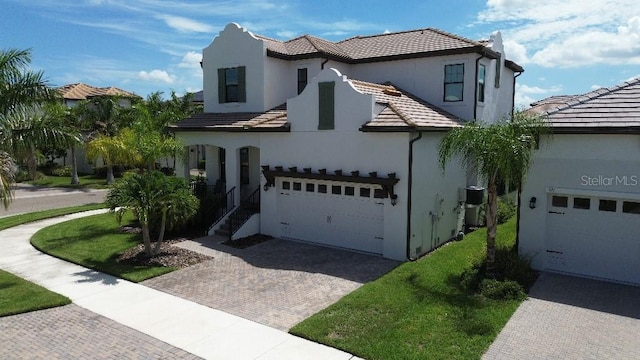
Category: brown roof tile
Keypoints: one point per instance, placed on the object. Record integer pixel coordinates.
(272, 120)
(80, 91)
(616, 107)
(421, 42)
(404, 110)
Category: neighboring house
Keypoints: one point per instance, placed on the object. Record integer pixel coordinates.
(340, 140)
(584, 188)
(71, 95)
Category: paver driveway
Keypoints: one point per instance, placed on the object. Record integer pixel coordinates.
(277, 283)
(572, 318)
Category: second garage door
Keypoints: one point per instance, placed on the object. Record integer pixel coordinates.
(331, 213)
(595, 236)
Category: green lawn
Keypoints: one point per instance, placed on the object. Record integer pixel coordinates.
(86, 181)
(95, 242)
(418, 310)
(18, 296)
(16, 220)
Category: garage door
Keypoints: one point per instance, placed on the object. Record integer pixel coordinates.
(595, 236)
(331, 213)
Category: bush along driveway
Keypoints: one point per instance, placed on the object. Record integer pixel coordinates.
(422, 309)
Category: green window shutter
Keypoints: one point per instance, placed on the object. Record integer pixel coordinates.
(222, 88)
(326, 109)
(242, 87)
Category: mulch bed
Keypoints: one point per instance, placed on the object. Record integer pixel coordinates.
(245, 242)
(169, 255)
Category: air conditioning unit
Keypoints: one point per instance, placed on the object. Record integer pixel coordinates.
(474, 195)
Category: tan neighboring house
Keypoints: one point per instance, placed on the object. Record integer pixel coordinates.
(74, 93)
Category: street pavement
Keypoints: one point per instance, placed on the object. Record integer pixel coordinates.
(30, 198)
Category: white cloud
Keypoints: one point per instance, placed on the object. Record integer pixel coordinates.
(191, 60)
(185, 25)
(516, 52)
(286, 34)
(156, 76)
(595, 87)
(525, 94)
(569, 33)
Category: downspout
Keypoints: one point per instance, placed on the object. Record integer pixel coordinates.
(513, 96)
(324, 62)
(513, 105)
(409, 184)
(475, 89)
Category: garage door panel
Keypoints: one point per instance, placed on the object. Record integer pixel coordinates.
(593, 242)
(341, 220)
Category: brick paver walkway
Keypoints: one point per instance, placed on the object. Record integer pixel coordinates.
(572, 318)
(276, 283)
(71, 332)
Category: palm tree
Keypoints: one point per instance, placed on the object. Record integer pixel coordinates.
(113, 150)
(70, 120)
(499, 151)
(156, 200)
(22, 91)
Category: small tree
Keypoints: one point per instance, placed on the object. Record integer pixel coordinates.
(499, 151)
(154, 199)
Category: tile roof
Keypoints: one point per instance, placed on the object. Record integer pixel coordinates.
(80, 91)
(403, 111)
(272, 120)
(400, 111)
(606, 108)
(404, 44)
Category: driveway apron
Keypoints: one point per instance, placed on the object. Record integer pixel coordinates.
(567, 317)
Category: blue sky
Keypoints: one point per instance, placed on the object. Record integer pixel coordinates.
(566, 47)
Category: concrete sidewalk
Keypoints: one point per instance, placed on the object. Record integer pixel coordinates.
(195, 328)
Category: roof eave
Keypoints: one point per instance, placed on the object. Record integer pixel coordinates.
(603, 130)
(284, 128)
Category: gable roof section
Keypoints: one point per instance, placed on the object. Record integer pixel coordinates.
(80, 91)
(604, 110)
(403, 111)
(382, 47)
(272, 120)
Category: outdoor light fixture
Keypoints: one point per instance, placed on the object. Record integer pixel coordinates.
(266, 186)
(532, 203)
(394, 199)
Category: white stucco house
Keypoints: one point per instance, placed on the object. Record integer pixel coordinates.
(339, 140)
(583, 189)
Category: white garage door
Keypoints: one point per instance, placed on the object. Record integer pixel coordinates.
(594, 236)
(332, 213)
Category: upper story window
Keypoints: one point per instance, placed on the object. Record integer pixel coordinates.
(231, 85)
(481, 77)
(453, 82)
(302, 79)
(326, 106)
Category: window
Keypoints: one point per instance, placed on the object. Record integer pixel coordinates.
(302, 79)
(326, 106)
(297, 186)
(322, 188)
(349, 190)
(481, 76)
(336, 189)
(365, 192)
(244, 166)
(607, 205)
(286, 185)
(453, 82)
(581, 203)
(379, 194)
(559, 201)
(498, 72)
(311, 187)
(231, 85)
(631, 207)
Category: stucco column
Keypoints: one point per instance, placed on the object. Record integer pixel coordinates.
(182, 164)
(232, 170)
(212, 164)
